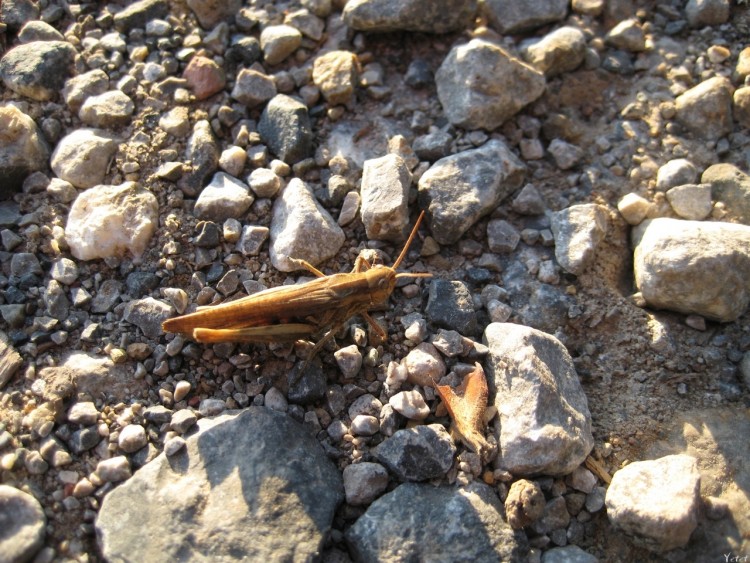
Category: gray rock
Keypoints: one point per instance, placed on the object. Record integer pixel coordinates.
(107, 221)
(566, 155)
(107, 296)
(212, 12)
(301, 229)
(385, 197)
(691, 201)
(656, 503)
(285, 127)
(148, 314)
(252, 239)
(693, 267)
(364, 482)
(555, 516)
(480, 85)
(278, 42)
(84, 413)
(223, 198)
(578, 232)
(84, 439)
(561, 50)
(433, 146)
(528, 201)
(203, 153)
(701, 13)
(417, 454)
(449, 305)
(309, 24)
(627, 35)
(55, 300)
(477, 531)
(80, 87)
(16, 13)
(114, 469)
(137, 14)
(514, 17)
(676, 172)
(110, 109)
(183, 420)
(38, 70)
(568, 554)
(502, 237)
(182, 500)
(460, 189)
(432, 16)
(22, 149)
(544, 422)
(706, 109)
(82, 157)
(64, 270)
(24, 264)
(23, 525)
(37, 30)
(253, 88)
(730, 186)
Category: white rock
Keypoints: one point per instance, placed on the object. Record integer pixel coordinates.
(83, 156)
(384, 192)
(424, 364)
(223, 198)
(107, 221)
(349, 360)
(410, 404)
(365, 425)
(633, 208)
(578, 231)
(656, 502)
(691, 201)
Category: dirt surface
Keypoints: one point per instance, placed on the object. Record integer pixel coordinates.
(654, 384)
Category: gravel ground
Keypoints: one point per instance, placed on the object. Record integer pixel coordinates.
(161, 155)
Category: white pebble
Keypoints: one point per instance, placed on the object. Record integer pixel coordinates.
(174, 445)
(365, 425)
(349, 360)
(181, 389)
(410, 404)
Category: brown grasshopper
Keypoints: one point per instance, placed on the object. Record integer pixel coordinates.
(290, 313)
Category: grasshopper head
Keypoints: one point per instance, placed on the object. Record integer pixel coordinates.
(381, 281)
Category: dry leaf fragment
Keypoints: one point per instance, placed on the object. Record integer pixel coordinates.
(466, 406)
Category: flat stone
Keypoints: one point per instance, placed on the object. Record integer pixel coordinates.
(513, 17)
(432, 16)
(384, 191)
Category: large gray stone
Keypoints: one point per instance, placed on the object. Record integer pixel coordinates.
(544, 422)
(253, 485)
(460, 189)
(480, 85)
(38, 70)
(513, 17)
(430, 16)
(417, 522)
(693, 267)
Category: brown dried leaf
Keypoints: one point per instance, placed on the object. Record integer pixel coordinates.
(466, 406)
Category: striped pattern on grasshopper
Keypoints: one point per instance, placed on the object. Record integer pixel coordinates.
(289, 313)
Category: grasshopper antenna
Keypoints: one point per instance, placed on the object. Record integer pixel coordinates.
(401, 256)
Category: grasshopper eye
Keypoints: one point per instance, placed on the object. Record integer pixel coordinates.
(382, 283)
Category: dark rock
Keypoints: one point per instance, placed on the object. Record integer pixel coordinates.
(449, 305)
(38, 70)
(139, 13)
(285, 127)
(141, 283)
(418, 454)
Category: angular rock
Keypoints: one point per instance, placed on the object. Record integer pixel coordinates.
(38, 70)
(110, 109)
(701, 13)
(82, 157)
(693, 267)
(37, 30)
(514, 17)
(477, 531)
(449, 305)
(137, 14)
(363, 482)
(278, 42)
(559, 51)
(24, 525)
(285, 127)
(676, 172)
(460, 189)
(10, 361)
(107, 221)
(656, 503)
(627, 35)
(385, 202)
(431, 16)
(182, 500)
(578, 231)
(22, 149)
(480, 85)
(706, 109)
(544, 422)
(224, 198)
(204, 77)
(203, 153)
(212, 12)
(148, 314)
(80, 87)
(335, 74)
(301, 229)
(731, 186)
(417, 454)
(253, 88)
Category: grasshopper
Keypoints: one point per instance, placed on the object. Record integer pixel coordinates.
(290, 313)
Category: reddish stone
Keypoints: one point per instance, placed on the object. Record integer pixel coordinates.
(204, 77)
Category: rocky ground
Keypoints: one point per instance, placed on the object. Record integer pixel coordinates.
(582, 166)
